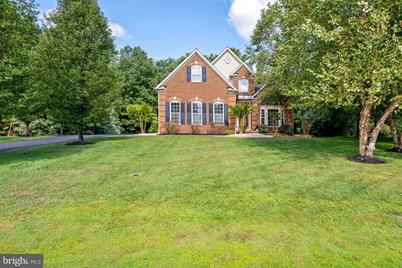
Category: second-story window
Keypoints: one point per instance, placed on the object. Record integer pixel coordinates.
(196, 73)
(243, 85)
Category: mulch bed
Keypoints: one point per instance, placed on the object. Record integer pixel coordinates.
(366, 160)
(394, 150)
(80, 143)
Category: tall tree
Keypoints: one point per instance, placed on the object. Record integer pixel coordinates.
(138, 72)
(346, 55)
(365, 69)
(166, 66)
(284, 56)
(74, 80)
(243, 56)
(19, 33)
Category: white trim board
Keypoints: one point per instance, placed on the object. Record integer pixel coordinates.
(246, 66)
(258, 91)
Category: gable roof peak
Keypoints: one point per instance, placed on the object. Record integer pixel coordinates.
(161, 85)
(227, 49)
(245, 66)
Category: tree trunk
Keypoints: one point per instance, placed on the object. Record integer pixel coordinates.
(81, 137)
(9, 129)
(29, 130)
(394, 132)
(302, 121)
(237, 124)
(378, 127)
(308, 126)
(142, 128)
(241, 120)
(365, 115)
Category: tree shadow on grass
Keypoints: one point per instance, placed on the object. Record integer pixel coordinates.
(50, 151)
(296, 148)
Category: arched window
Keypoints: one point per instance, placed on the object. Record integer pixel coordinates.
(175, 112)
(219, 113)
(243, 85)
(196, 113)
(196, 73)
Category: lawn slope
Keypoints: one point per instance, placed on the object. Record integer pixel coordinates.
(202, 202)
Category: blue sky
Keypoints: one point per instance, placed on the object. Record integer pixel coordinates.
(170, 28)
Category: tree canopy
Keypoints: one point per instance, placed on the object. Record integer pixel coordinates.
(335, 53)
(138, 72)
(19, 33)
(73, 78)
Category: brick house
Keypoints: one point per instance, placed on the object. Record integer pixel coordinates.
(196, 96)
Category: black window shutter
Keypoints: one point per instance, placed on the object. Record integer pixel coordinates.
(226, 114)
(211, 113)
(189, 113)
(188, 74)
(204, 114)
(204, 74)
(167, 111)
(182, 114)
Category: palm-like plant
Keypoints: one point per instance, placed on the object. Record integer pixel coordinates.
(240, 112)
(143, 113)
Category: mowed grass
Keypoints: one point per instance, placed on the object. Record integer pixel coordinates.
(202, 202)
(18, 138)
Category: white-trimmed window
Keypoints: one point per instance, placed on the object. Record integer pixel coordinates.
(196, 113)
(196, 73)
(271, 116)
(175, 112)
(219, 113)
(243, 85)
(263, 116)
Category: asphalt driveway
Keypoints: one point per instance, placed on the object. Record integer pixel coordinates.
(8, 146)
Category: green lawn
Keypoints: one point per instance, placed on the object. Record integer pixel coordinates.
(202, 202)
(17, 138)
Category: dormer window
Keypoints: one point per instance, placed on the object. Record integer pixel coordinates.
(196, 73)
(243, 85)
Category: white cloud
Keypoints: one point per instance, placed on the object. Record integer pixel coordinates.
(44, 14)
(244, 14)
(117, 30)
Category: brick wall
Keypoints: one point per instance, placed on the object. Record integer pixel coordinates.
(214, 89)
(177, 87)
(244, 73)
